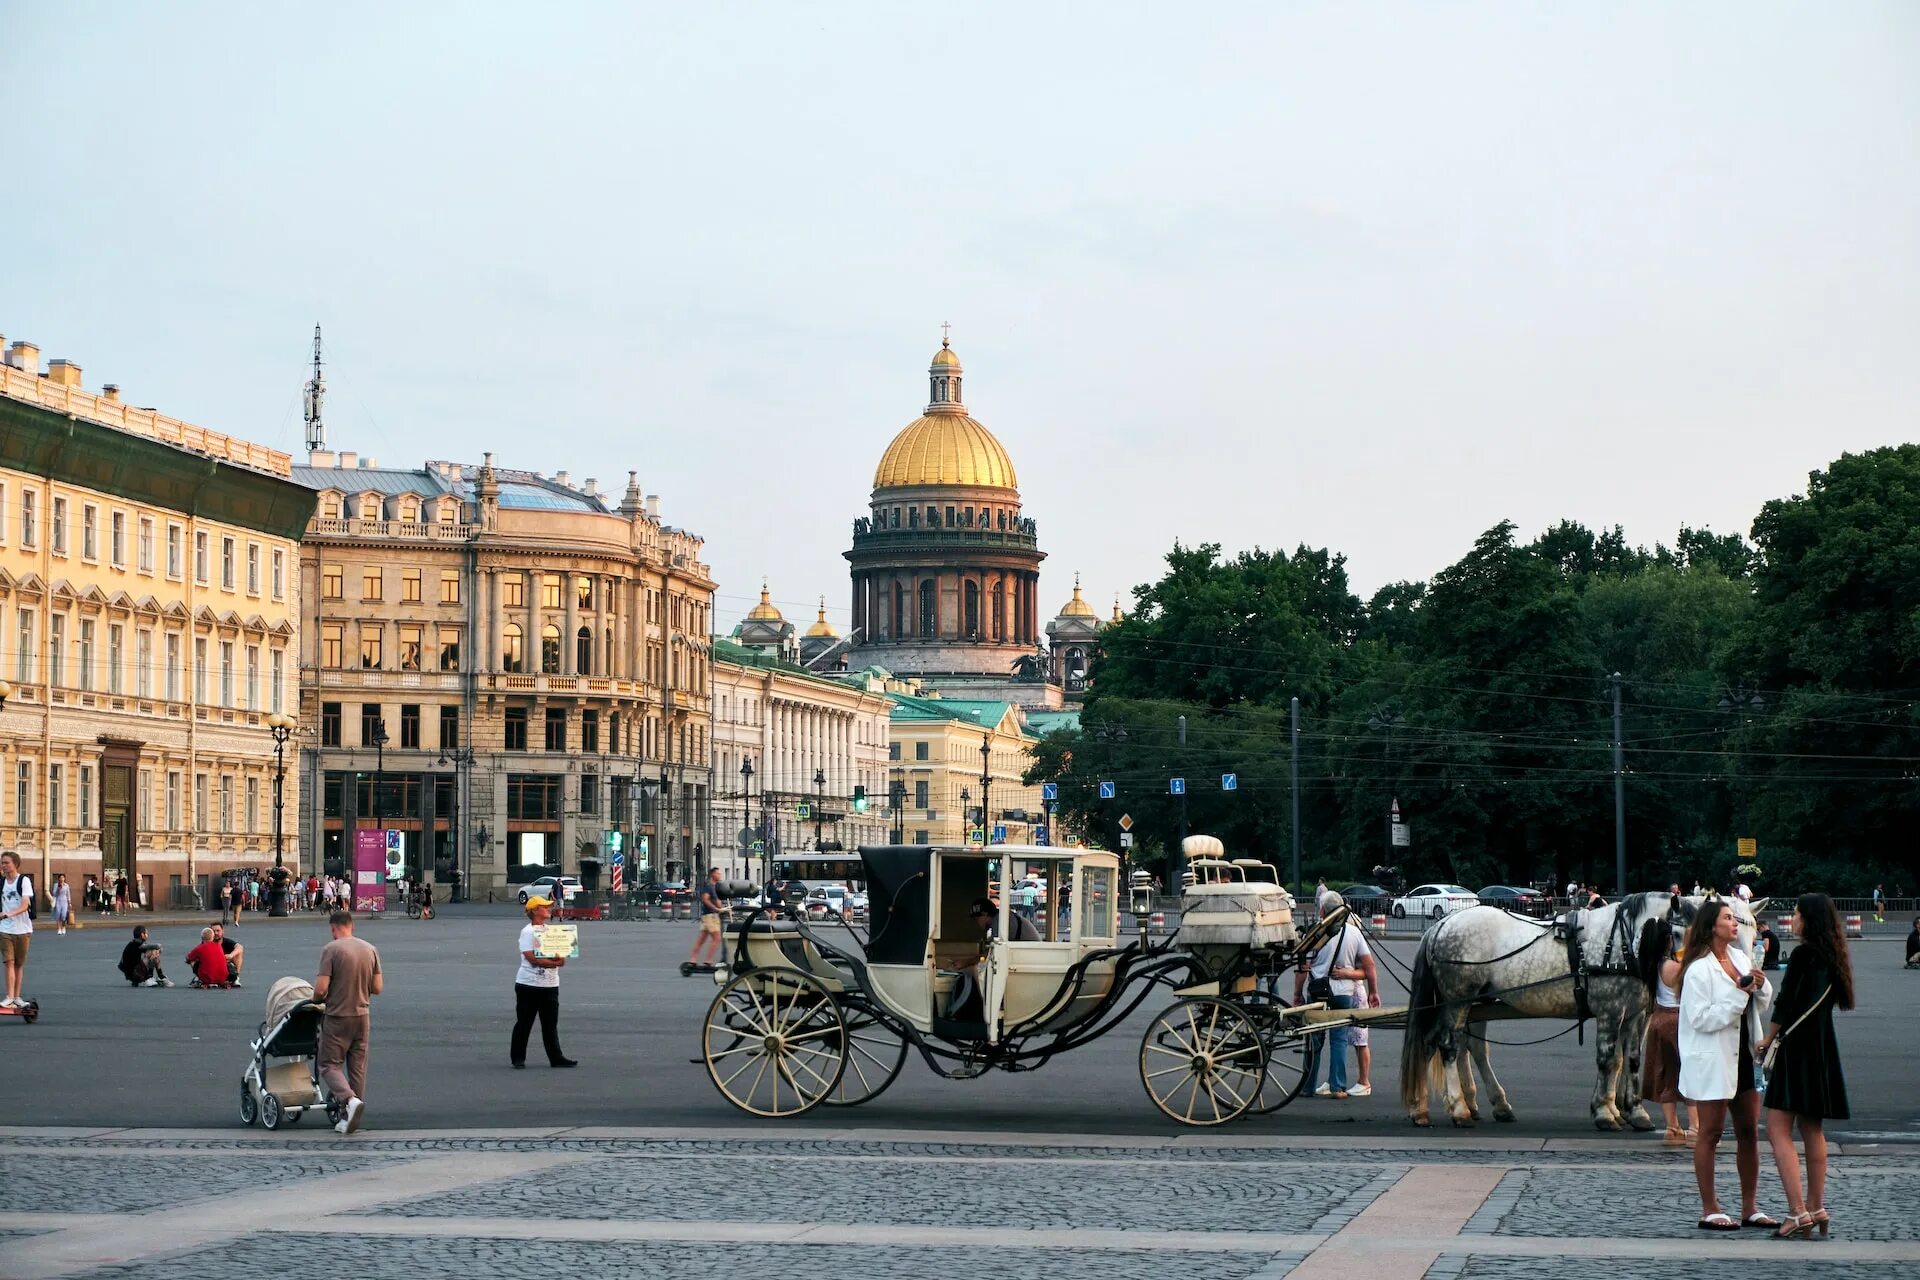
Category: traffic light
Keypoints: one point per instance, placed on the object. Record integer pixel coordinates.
(616, 841)
(859, 799)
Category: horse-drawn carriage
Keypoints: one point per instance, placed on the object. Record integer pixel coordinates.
(805, 1017)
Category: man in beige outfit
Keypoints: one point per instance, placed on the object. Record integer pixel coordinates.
(349, 976)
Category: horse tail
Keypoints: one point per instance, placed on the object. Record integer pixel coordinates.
(1426, 1027)
(1656, 944)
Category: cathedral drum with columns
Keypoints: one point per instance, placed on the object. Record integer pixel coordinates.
(945, 569)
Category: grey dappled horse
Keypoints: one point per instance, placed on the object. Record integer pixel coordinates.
(1486, 954)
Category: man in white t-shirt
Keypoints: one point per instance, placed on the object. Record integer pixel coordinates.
(1342, 962)
(16, 924)
(536, 991)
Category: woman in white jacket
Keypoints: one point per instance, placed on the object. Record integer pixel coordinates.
(1723, 1003)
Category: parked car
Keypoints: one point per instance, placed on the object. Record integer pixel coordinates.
(1434, 900)
(558, 888)
(1526, 902)
(662, 890)
(835, 900)
(1367, 899)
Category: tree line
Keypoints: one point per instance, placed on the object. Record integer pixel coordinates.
(1768, 688)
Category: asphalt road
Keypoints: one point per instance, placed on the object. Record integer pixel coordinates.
(103, 1053)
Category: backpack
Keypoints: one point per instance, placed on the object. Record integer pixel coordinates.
(24, 883)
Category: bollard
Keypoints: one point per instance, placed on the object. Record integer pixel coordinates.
(1380, 920)
(686, 911)
(1854, 927)
(1157, 922)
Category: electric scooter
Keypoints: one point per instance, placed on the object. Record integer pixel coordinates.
(27, 1012)
(688, 967)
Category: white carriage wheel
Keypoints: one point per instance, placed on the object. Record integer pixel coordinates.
(874, 1058)
(1202, 1061)
(775, 1042)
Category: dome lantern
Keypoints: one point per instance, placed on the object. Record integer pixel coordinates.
(765, 611)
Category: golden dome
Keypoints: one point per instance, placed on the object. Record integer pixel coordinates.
(821, 626)
(1077, 607)
(1117, 615)
(945, 449)
(945, 359)
(764, 611)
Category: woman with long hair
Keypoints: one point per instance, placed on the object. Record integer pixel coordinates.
(1807, 1085)
(1659, 965)
(1721, 999)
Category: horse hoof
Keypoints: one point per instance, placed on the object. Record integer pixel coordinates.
(1475, 1113)
(1606, 1125)
(1464, 1122)
(1422, 1122)
(1504, 1115)
(1642, 1123)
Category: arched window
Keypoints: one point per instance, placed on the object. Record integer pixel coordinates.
(899, 627)
(583, 651)
(973, 610)
(999, 612)
(929, 611)
(550, 649)
(513, 655)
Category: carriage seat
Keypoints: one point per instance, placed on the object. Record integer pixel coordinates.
(772, 924)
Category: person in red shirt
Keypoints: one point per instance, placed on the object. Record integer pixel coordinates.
(208, 962)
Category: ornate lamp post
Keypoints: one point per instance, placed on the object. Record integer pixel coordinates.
(461, 758)
(986, 780)
(819, 803)
(280, 725)
(966, 816)
(746, 798)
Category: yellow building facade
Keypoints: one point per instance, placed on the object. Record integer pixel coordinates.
(148, 597)
(936, 764)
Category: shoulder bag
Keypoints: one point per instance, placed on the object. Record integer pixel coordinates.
(1773, 1050)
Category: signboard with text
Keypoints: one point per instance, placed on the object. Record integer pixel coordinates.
(369, 870)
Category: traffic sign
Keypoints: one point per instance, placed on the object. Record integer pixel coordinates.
(999, 834)
(1126, 839)
(1039, 835)
(759, 846)
(1126, 822)
(1401, 837)
(803, 810)
(1049, 791)
(1229, 782)
(1106, 791)
(976, 834)
(1749, 846)
(1176, 786)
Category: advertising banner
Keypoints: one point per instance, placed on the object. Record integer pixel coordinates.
(369, 870)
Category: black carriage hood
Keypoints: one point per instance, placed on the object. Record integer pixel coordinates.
(898, 902)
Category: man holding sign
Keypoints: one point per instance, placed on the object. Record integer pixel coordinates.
(544, 950)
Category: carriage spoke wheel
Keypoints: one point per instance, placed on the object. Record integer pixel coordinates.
(1290, 1061)
(874, 1058)
(1202, 1061)
(776, 1042)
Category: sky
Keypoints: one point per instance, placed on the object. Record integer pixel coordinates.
(1371, 277)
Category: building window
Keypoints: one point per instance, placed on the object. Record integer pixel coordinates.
(410, 726)
(449, 586)
(929, 614)
(57, 650)
(23, 793)
(372, 726)
(589, 794)
(116, 655)
(279, 574)
(3, 514)
(550, 591)
(278, 678)
(117, 540)
(449, 728)
(226, 804)
(143, 664)
(250, 695)
(410, 586)
(533, 797)
(173, 668)
(512, 654)
(516, 724)
(550, 649)
(583, 651)
(86, 653)
(370, 647)
(583, 587)
(331, 579)
(173, 800)
(85, 816)
(449, 648)
(174, 534)
(251, 817)
(372, 585)
(29, 519)
(919, 751)
(59, 526)
(329, 724)
(56, 796)
(920, 837)
(556, 729)
(253, 568)
(200, 557)
(200, 802)
(590, 732)
(23, 650)
(146, 544)
(333, 644)
(226, 564)
(893, 751)
(513, 591)
(411, 643)
(226, 673)
(919, 795)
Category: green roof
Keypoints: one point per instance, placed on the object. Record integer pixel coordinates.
(1046, 722)
(908, 707)
(724, 650)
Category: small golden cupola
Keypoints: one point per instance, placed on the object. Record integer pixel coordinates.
(821, 628)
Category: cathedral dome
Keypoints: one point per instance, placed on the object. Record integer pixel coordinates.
(821, 628)
(1078, 606)
(944, 446)
(765, 611)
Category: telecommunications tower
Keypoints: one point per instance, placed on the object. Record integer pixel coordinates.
(316, 396)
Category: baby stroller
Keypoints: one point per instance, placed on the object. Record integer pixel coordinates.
(283, 1078)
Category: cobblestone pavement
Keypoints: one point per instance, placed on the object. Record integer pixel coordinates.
(662, 1203)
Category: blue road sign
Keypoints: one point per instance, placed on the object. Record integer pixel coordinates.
(1039, 835)
(999, 835)
(1229, 782)
(1106, 791)
(1176, 786)
(1049, 791)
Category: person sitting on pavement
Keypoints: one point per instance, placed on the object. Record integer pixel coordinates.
(1913, 945)
(208, 962)
(235, 953)
(140, 961)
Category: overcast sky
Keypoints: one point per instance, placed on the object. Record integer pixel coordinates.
(1367, 277)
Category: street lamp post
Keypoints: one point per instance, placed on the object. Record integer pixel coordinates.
(280, 726)
(746, 799)
(461, 758)
(819, 803)
(897, 801)
(1383, 721)
(986, 780)
(966, 816)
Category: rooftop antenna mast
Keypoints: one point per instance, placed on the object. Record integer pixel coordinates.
(316, 396)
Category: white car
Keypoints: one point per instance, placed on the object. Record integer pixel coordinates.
(1435, 900)
(558, 888)
(835, 900)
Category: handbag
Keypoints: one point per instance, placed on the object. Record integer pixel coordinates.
(1773, 1049)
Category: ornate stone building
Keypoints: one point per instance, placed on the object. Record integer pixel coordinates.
(148, 588)
(945, 567)
(534, 660)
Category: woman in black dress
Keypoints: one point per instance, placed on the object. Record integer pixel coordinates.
(1807, 1085)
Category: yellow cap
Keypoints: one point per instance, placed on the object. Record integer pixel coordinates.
(538, 902)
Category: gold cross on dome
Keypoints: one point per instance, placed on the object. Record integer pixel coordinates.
(944, 326)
